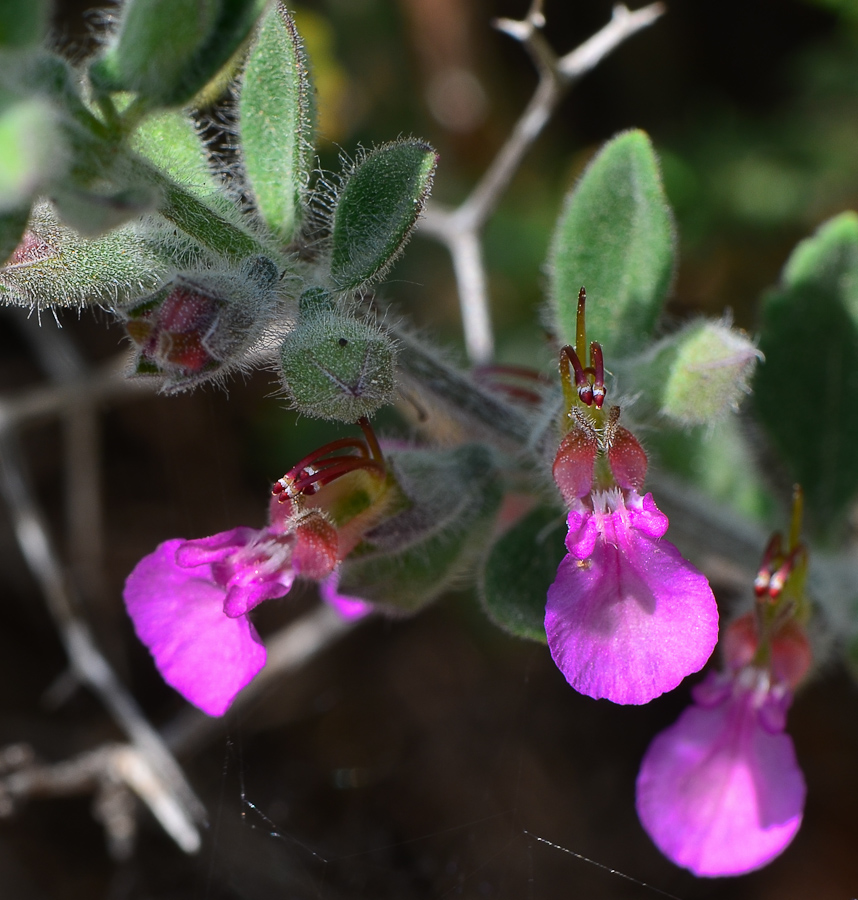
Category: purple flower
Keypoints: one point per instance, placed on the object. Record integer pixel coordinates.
(189, 601)
(627, 617)
(720, 791)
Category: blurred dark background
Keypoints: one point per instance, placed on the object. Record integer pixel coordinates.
(421, 759)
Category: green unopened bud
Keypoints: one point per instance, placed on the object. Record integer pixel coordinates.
(338, 368)
(54, 266)
(699, 375)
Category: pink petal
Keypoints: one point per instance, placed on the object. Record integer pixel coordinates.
(632, 621)
(178, 614)
(719, 794)
(241, 597)
(349, 607)
(213, 549)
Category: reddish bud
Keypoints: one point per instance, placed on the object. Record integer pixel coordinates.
(574, 462)
(791, 654)
(317, 546)
(626, 457)
(740, 642)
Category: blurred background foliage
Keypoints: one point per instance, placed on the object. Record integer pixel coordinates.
(412, 757)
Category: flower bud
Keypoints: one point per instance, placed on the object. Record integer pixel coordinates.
(199, 323)
(316, 546)
(626, 457)
(334, 367)
(573, 464)
(697, 376)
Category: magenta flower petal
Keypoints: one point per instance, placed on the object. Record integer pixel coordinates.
(178, 614)
(241, 597)
(634, 618)
(349, 607)
(213, 549)
(718, 793)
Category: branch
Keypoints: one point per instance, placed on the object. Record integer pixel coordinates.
(88, 664)
(459, 229)
(112, 771)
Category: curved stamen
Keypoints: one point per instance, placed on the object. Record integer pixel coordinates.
(313, 481)
(371, 440)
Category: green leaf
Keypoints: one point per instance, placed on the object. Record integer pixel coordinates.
(806, 393)
(168, 50)
(54, 266)
(377, 210)
(276, 123)
(520, 569)
(412, 558)
(170, 140)
(615, 236)
(30, 149)
(22, 22)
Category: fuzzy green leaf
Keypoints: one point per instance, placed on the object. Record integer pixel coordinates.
(167, 51)
(615, 236)
(170, 140)
(377, 210)
(22, 22)
(412, 558)
(54, 266)
(806, 393)
(520, 569)
(276, 123)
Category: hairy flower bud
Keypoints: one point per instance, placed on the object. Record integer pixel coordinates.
(699, 375)
(334, 367)
(200, 323)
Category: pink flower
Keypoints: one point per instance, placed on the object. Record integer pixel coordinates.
(627, 617)
(720, 791)
(189, 601)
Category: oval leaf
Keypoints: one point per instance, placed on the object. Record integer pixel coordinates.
(616, 237)
(806, 393)
(520, 569)
(276, 123)
(377, 210)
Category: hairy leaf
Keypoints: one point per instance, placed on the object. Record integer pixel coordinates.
(519, 570)
(167, 51)
(276, 123)
(806, 393)
(377, 210)
(615, 236)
